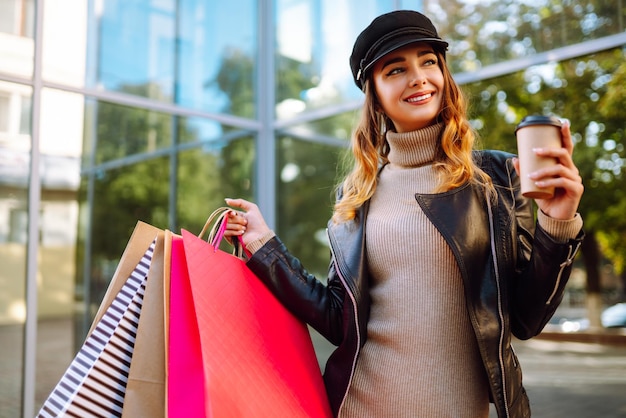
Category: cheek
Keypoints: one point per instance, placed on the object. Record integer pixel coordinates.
(386, 93)
(380, 95)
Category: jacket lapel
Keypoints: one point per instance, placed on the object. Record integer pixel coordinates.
(461, 217)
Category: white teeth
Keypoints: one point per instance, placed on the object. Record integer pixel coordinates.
(419, 98)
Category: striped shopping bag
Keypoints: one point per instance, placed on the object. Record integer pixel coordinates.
(94, 385)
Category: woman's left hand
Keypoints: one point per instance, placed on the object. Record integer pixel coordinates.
(564, 177)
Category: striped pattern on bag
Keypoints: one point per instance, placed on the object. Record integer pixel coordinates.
(94, 385)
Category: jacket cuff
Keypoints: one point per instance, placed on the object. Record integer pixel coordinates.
(254, 246)
(560, 230)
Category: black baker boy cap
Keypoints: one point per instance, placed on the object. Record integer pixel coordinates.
(387, 33)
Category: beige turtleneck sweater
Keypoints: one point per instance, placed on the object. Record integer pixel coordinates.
(421, 358)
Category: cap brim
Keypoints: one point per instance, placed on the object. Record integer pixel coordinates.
(397, 44)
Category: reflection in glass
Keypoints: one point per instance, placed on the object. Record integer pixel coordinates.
(15, 147)
(121, 197)
(336, 129)
(60, 145)
(135, 47)
(314, 42)
(122, 131)
(208, 174)
(307, 174)
(65, 49)
(217, 56)
(198, 54)
(17, 21)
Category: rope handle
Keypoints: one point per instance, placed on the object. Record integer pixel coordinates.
(216, 225)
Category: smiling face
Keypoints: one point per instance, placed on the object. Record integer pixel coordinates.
(409, 86)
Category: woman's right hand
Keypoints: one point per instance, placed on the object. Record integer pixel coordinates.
(248, 223)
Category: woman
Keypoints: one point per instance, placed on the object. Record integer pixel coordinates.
(437, 259)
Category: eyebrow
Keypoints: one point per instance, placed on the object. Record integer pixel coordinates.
(401, 58)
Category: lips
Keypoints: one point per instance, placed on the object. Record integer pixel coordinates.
(419, 97)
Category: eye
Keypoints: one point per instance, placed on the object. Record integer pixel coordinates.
(395, 70)
(431, 60)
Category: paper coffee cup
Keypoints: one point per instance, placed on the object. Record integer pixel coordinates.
(536, 132)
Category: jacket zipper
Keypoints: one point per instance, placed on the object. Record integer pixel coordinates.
(500, 313)
(356, 320)
(569, 260)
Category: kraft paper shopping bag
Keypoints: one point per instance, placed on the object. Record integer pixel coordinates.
(140, 239)
(145, 390)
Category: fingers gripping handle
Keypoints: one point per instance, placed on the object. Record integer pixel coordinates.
(216, 225)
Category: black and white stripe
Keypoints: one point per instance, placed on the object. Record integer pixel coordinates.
(94, 385)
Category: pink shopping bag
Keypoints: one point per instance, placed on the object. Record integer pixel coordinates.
(185, 371)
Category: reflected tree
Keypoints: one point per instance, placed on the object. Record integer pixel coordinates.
(306, 170)
(135, 182)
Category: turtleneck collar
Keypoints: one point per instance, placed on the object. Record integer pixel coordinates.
(415, 148)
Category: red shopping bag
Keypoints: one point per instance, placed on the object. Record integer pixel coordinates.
(258, 358)
(185, 372)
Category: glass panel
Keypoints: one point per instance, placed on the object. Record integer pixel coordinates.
(130, 183)
(17, 48)
(337, 129)
(197, 53)
(314, 41)
(307, 176)
(122, 131)
(200, 130)
(121, 197)
(15, 148)
(135, 47)
(217, 50)
(487, 32)
(209, 174)
(61, 134)
(64, 51)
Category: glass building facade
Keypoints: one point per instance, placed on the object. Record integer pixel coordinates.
(114, 111)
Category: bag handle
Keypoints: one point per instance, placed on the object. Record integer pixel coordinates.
(216, 225)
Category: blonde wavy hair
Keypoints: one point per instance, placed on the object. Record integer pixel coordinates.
(370, 148)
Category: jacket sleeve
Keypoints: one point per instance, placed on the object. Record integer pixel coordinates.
(309, 299)
(542, 269)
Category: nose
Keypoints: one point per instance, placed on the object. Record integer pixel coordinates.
(417, 77)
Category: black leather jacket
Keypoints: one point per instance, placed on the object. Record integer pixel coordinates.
(514, 275)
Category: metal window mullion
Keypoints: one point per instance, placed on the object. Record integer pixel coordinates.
(266, 140)
(34, 204)
(174, 132)
(572, 51)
